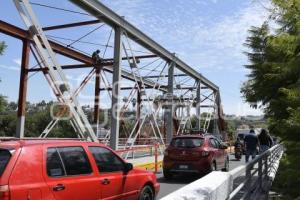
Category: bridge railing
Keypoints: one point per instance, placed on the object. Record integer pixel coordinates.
(250, 181)
(257, 175)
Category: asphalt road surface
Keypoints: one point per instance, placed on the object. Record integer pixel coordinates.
(169, 186)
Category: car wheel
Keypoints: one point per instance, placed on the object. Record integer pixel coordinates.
(226, 167)
(167, 174)
(147, 193)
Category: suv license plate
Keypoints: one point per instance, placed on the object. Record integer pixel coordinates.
(183, 167)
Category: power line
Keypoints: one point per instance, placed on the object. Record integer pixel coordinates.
(86, 42)
(61, 9)
(85, 35)
(83, 42)
(71, 47)
(149, 63)
(107, 43)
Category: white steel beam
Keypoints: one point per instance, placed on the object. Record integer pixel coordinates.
(115, 103)
(170, 108)
(198, 106)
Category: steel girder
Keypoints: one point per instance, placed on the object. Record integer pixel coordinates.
(105, 14)
(22, 34)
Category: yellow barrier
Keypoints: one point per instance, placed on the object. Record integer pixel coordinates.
(148, 166)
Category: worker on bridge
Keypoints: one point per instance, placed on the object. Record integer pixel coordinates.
(96, 57)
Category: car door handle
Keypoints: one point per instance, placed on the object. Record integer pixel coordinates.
(59, 187)
(105, 181)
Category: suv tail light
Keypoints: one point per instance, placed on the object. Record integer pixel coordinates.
(4, 192)
(205, 153)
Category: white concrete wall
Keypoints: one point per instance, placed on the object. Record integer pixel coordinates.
(214, 186)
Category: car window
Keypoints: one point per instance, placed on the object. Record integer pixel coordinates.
(218, 144)
(54, 164)
(187, 142)
(213, 143)
(63, 161)
(5, 156)
(75, 160)
(106, 160)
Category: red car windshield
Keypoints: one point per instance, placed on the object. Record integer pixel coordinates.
(187, 142)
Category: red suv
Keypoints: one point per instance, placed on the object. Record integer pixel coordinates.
(194, 154)
(62, 170)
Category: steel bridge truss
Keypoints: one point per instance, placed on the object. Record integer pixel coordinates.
(159, 97)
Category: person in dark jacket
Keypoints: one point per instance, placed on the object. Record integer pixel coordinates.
(251, 144)
(96, 57)
(265, 141)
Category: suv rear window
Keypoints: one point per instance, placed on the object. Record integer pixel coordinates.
(187, 142)
(5, 156)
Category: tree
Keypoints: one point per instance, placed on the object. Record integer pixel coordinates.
(274, 83)
(3, 101)
(2, 47)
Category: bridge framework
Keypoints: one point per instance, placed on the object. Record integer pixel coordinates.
(122, 28)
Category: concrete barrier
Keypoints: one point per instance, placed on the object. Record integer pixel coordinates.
(214, 186)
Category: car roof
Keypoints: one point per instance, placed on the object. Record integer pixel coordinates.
(189, 136)
(22, 143)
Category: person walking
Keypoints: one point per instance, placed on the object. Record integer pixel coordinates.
(251, 143)
(265, 141)
(238, 149)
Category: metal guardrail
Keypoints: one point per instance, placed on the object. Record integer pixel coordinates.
(251, 181)
(259, 174)
(143, 151)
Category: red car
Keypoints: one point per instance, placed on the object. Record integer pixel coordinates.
(61, 170)
(194, 154)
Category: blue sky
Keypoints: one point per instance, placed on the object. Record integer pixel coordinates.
(206, 34)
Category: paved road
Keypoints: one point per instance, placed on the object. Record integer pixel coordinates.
(166, 187)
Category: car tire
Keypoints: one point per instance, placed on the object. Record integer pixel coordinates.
(167, 174)
(147, 193)
(226, 167)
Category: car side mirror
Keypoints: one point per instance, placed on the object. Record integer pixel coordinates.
(128, 167)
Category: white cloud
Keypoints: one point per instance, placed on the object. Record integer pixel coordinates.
(211, 42)
(200, 40)
(243, 109)
(222, 41)
(7, 67)
(17, 61)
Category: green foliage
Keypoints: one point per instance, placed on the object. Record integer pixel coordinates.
(8, 124)
(274, 82)
(37, 118)
(2, 47)
(3, 102)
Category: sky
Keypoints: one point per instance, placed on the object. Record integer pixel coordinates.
(206, 34)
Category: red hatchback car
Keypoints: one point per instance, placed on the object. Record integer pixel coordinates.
(75, 170)
(194, 154)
